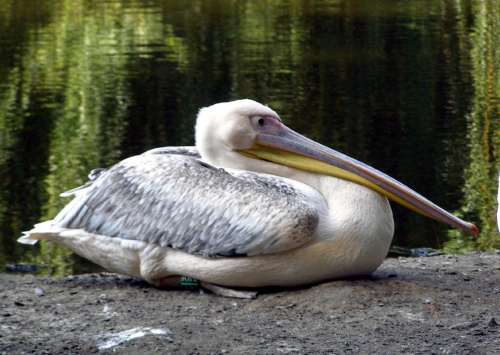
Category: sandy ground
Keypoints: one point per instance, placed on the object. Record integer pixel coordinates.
(444, 304)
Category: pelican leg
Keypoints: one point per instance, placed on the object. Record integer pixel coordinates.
(228, 292)
(165, 283)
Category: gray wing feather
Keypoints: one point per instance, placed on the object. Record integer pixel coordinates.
(177, 200)
(186, 151)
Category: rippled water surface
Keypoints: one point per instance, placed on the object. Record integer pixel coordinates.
(410, 87)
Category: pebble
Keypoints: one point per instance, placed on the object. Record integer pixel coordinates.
(38, 291)
(492, 322)
(430, 300)
(465, 325)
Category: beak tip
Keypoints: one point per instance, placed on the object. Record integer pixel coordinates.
(471, 229)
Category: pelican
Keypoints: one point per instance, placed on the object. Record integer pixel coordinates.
(254, 204)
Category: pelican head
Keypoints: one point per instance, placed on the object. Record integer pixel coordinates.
(224, 129)
(245, 134)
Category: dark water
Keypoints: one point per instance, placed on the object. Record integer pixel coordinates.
(409, 87)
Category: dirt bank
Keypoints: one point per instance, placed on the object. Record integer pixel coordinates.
(444, 304)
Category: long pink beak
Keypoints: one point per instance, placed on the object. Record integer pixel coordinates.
(284, 146)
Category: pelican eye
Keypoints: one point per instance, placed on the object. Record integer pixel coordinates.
(261, 121)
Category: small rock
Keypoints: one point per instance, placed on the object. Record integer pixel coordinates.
(105, 297)
(336, 316)
(106, 308)
(465, 325)
(39, 292)
(430, 300)
(492, 322)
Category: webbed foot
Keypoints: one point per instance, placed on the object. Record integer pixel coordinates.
(228, 292)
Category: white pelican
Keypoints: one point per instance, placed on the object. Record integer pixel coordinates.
(254, 204)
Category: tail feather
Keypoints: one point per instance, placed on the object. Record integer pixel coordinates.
(41, 231)
(27, 239)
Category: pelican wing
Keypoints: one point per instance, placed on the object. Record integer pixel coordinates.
(171, 197)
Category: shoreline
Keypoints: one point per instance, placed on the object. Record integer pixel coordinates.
(421, 305)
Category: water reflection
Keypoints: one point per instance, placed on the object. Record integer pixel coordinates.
(411, 88)
(480, 188)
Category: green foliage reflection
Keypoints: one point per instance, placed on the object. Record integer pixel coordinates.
(86, 83)
(481, 184)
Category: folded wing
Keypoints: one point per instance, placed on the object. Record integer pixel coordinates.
(171, 197)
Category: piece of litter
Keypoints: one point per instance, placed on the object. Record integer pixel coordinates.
(110, 340)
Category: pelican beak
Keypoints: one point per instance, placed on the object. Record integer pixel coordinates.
(287, 147)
